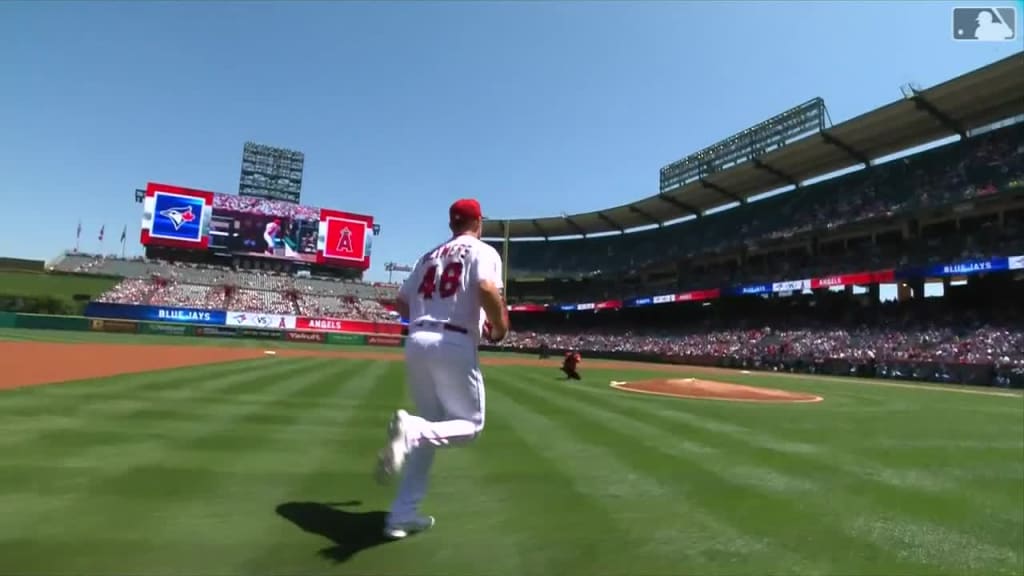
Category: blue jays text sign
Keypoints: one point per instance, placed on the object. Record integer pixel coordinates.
(177, 217)
(156, 314)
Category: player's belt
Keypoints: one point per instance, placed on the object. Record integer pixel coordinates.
(443, 326)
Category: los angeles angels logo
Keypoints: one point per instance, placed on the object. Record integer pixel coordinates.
(345, 241)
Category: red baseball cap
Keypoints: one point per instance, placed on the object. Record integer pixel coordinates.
(465, 209)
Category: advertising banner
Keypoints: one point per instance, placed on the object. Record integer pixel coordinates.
(1015, 262)
(310, 336)
(257, 320)
(121, 326)
(166, 329)
(155, 313)
(346, 339)
(698, 295)
(791, 285)
(259, 334)
(857, 279)
(527, 308)
(634, 302)
(663, 299)
(966, 267)
(338, 325)
(215, 331)
(751, 289)
(384, 341)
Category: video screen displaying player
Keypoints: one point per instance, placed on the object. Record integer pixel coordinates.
(265, 235)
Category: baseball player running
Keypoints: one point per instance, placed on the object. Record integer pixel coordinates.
(443, 298)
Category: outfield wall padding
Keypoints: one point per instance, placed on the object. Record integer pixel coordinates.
(8, 319)
(380, 340)
(257, 334)
(216, 331)
(117, 326)
(166, 329)
(314, 337)
(345, 339)
(40, 322)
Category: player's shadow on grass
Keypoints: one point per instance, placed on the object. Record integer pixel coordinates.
(351, 532)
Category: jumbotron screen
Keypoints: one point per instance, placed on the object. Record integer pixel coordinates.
(195, 219)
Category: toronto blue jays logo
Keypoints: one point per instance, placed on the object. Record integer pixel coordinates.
(178, 216)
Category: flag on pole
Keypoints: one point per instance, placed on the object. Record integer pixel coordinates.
(124, 233)
(78, 233)
(102, 228)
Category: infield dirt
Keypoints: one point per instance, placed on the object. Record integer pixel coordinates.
(32, 363)
(696, 388)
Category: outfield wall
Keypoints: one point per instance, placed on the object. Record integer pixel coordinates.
(238, 319)
(204, 326)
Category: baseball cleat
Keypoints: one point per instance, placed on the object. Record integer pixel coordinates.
(400, 530)
(391, 458)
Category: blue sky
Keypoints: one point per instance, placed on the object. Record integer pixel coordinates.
(534, 108)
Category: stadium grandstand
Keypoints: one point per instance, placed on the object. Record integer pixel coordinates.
(887, 245)
(779, 208)
(216, 287)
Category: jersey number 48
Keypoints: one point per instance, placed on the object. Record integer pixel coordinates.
(444, 286)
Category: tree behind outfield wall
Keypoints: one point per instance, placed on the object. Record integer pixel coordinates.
(39, 305)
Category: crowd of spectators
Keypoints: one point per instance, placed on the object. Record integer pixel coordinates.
(270, 297)
(981, 166)
(916, 331)
(984, 345)
(263, 207)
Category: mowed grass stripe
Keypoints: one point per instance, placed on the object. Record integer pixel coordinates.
(151, 498)
(345, 461)
(915, 486)
(807, 542)
(268, 467)
(745, 451)
(35, 467)
(35, 410)
(516, 507)
(665, 528)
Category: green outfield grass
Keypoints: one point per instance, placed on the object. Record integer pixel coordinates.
(56, 285)
(264, 467)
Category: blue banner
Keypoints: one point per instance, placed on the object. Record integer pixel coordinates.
(964, 268)
(156, 314)
(567, 307)
(634, 302)
(749, 289)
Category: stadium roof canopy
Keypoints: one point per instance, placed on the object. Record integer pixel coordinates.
(970, 101)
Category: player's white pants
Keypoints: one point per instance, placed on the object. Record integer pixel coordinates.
(443, 374)
(270, 242)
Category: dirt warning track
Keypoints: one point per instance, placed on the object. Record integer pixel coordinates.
(30, 363)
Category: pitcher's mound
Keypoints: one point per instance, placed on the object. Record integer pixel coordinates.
(712, 390)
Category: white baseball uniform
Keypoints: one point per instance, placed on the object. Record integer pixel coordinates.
(269, 235)
(442, 362)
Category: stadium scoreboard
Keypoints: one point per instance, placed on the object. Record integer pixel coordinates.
(227, 224)
(271, 173)
(753, 142)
